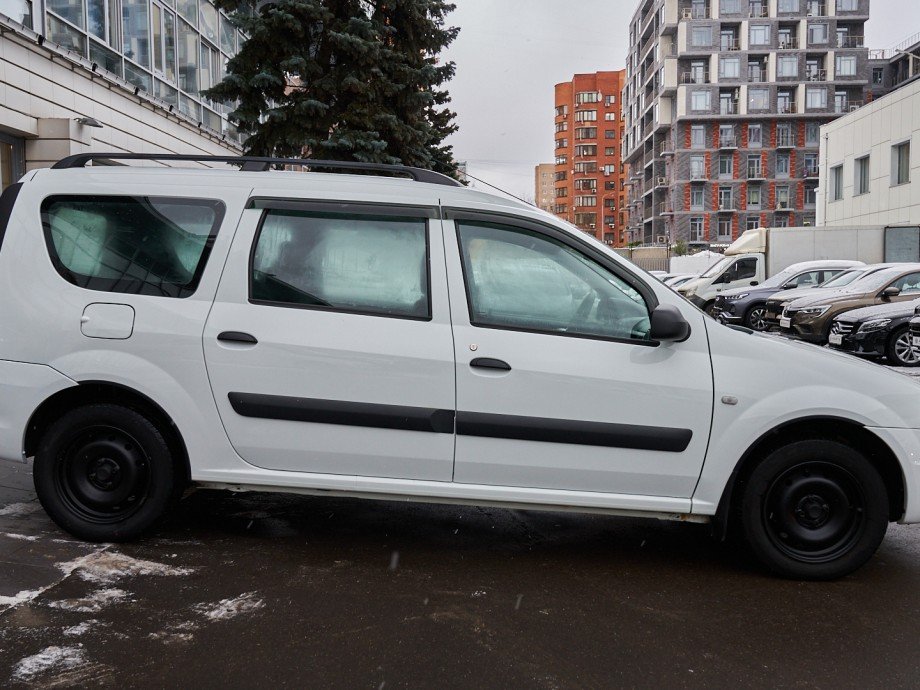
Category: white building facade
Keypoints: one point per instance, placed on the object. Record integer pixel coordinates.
(870, 163)
(111, 75)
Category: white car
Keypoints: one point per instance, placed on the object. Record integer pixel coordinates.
(373, 336)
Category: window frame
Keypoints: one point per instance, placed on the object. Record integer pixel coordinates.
(186, 291)
(267, 204)
(458, 215)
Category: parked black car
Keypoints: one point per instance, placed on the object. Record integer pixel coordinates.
(879, 331)
(747, 306)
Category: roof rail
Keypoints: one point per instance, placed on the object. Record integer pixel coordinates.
(257, 163)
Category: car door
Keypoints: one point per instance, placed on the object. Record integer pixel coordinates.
(908, 286)
(329, 346)
(558, 385)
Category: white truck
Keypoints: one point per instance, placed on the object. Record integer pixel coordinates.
(761, 253)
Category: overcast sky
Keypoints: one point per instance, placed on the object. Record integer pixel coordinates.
(510, 54)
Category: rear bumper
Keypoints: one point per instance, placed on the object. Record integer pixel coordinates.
(23, 387)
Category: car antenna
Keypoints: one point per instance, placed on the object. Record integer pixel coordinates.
(489, 184)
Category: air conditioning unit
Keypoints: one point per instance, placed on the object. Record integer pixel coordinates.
(662, 181)
(662, 239)
(688, 13)
(592, 225)
(854, 107)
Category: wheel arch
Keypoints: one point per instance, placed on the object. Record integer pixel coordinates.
(91, 392)
(824, 428)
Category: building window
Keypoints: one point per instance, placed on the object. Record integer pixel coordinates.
(561, 175)
(585, 116)
(725, 229)
(585, 167)
(780, 222)
(562, 126)
(788, 6)
(561, 143)
(561, 191)
(726, 165)
(787, 66)
(782, 197)
(878, 75)
(755, 135)
(610, 134)
(847, 5)
(861, 175)
(752, 223)
(562, 160)
(610, 151)
(610, 117)
(697, 198)
(811, 194)
(610, 100)
(727, 135)
(698, 136)
(782, 165)
(753, 196)
(729, 6)
(817, 34)
(700, 101)
(562, 110)
(900, 163)
(837, 183)
(758, 99)
(696, 229)
(586, 201)
(589, 184)
(754, 166)
(846, 65)
(587, 97)
(697, 168)
(725, 198)
(586, 150)
(730, 68)
(815, 98)
(586, 133)
(701, 36)
(760, 34)
(811, 165)
(812, 134)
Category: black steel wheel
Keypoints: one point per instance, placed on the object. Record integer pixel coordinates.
(104, 473)
(815, 510)
(901, 351)
(756, 317)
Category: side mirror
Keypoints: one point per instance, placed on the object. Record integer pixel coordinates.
(890, 292)
(668, 324)
(916, 311)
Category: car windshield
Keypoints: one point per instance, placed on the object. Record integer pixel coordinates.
(717, 268)
(876, 280)
(844, 278)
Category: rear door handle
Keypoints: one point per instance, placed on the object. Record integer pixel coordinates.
(237, 337)
(489, 363)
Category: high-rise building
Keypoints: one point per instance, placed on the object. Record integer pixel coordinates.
(114, 75)
(723, 104)
(543, 186)
(589, 191)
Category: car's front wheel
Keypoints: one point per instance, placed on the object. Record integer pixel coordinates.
(814, 510)
(756, 317)
(901, 351)
(104, 473)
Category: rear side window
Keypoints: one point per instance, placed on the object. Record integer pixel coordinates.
(350, 262)
(127, 244)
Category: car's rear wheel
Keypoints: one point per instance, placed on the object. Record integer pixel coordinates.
(900, 351)
(756, 317)
(104, 473)
(814, 510)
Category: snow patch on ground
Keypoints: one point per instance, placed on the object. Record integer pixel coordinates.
(49, 659)
(108, 566)
(20, 598)
(81, 629)
(92, 603)
(20, 537)
(225, 609)
(16, 509)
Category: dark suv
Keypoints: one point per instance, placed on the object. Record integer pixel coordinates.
(879, 331)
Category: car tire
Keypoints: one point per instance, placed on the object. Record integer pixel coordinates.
(814, 510)
(898, 348)
(755, 318)
(105, 473)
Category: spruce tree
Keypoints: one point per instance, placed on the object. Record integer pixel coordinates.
(353, 80)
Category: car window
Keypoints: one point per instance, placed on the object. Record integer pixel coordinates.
(138, 245)
(346, 262)
(844, 278)
(743, 268)
(807, 279)
(521, 279)
(908, 284)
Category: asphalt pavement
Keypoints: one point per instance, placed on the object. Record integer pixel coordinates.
(260, 590)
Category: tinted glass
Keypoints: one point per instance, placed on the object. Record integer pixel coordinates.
(521, 279)
(355, 263)
(909, 284)
(138, 245)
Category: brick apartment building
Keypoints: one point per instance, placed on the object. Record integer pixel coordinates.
(544, 177)
(589, 184)
(723, 104)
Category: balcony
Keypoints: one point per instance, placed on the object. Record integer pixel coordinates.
(727, 206)
(786, 107)
(784, 206)
(695, 13)
(850, 42)
(816, 75)
(812, 170)
(785, 141)
(755, 173)
(846, 106)
(791, 43)
(698, 175)
(816, 9)
(694, 77)
(728, 107)
(728, 141)
(665, 208)
(758, 12)
(757, 75)
(665, 148)
(729, 44)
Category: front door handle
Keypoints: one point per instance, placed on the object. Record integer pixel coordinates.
(237, 337)
(489, 363)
